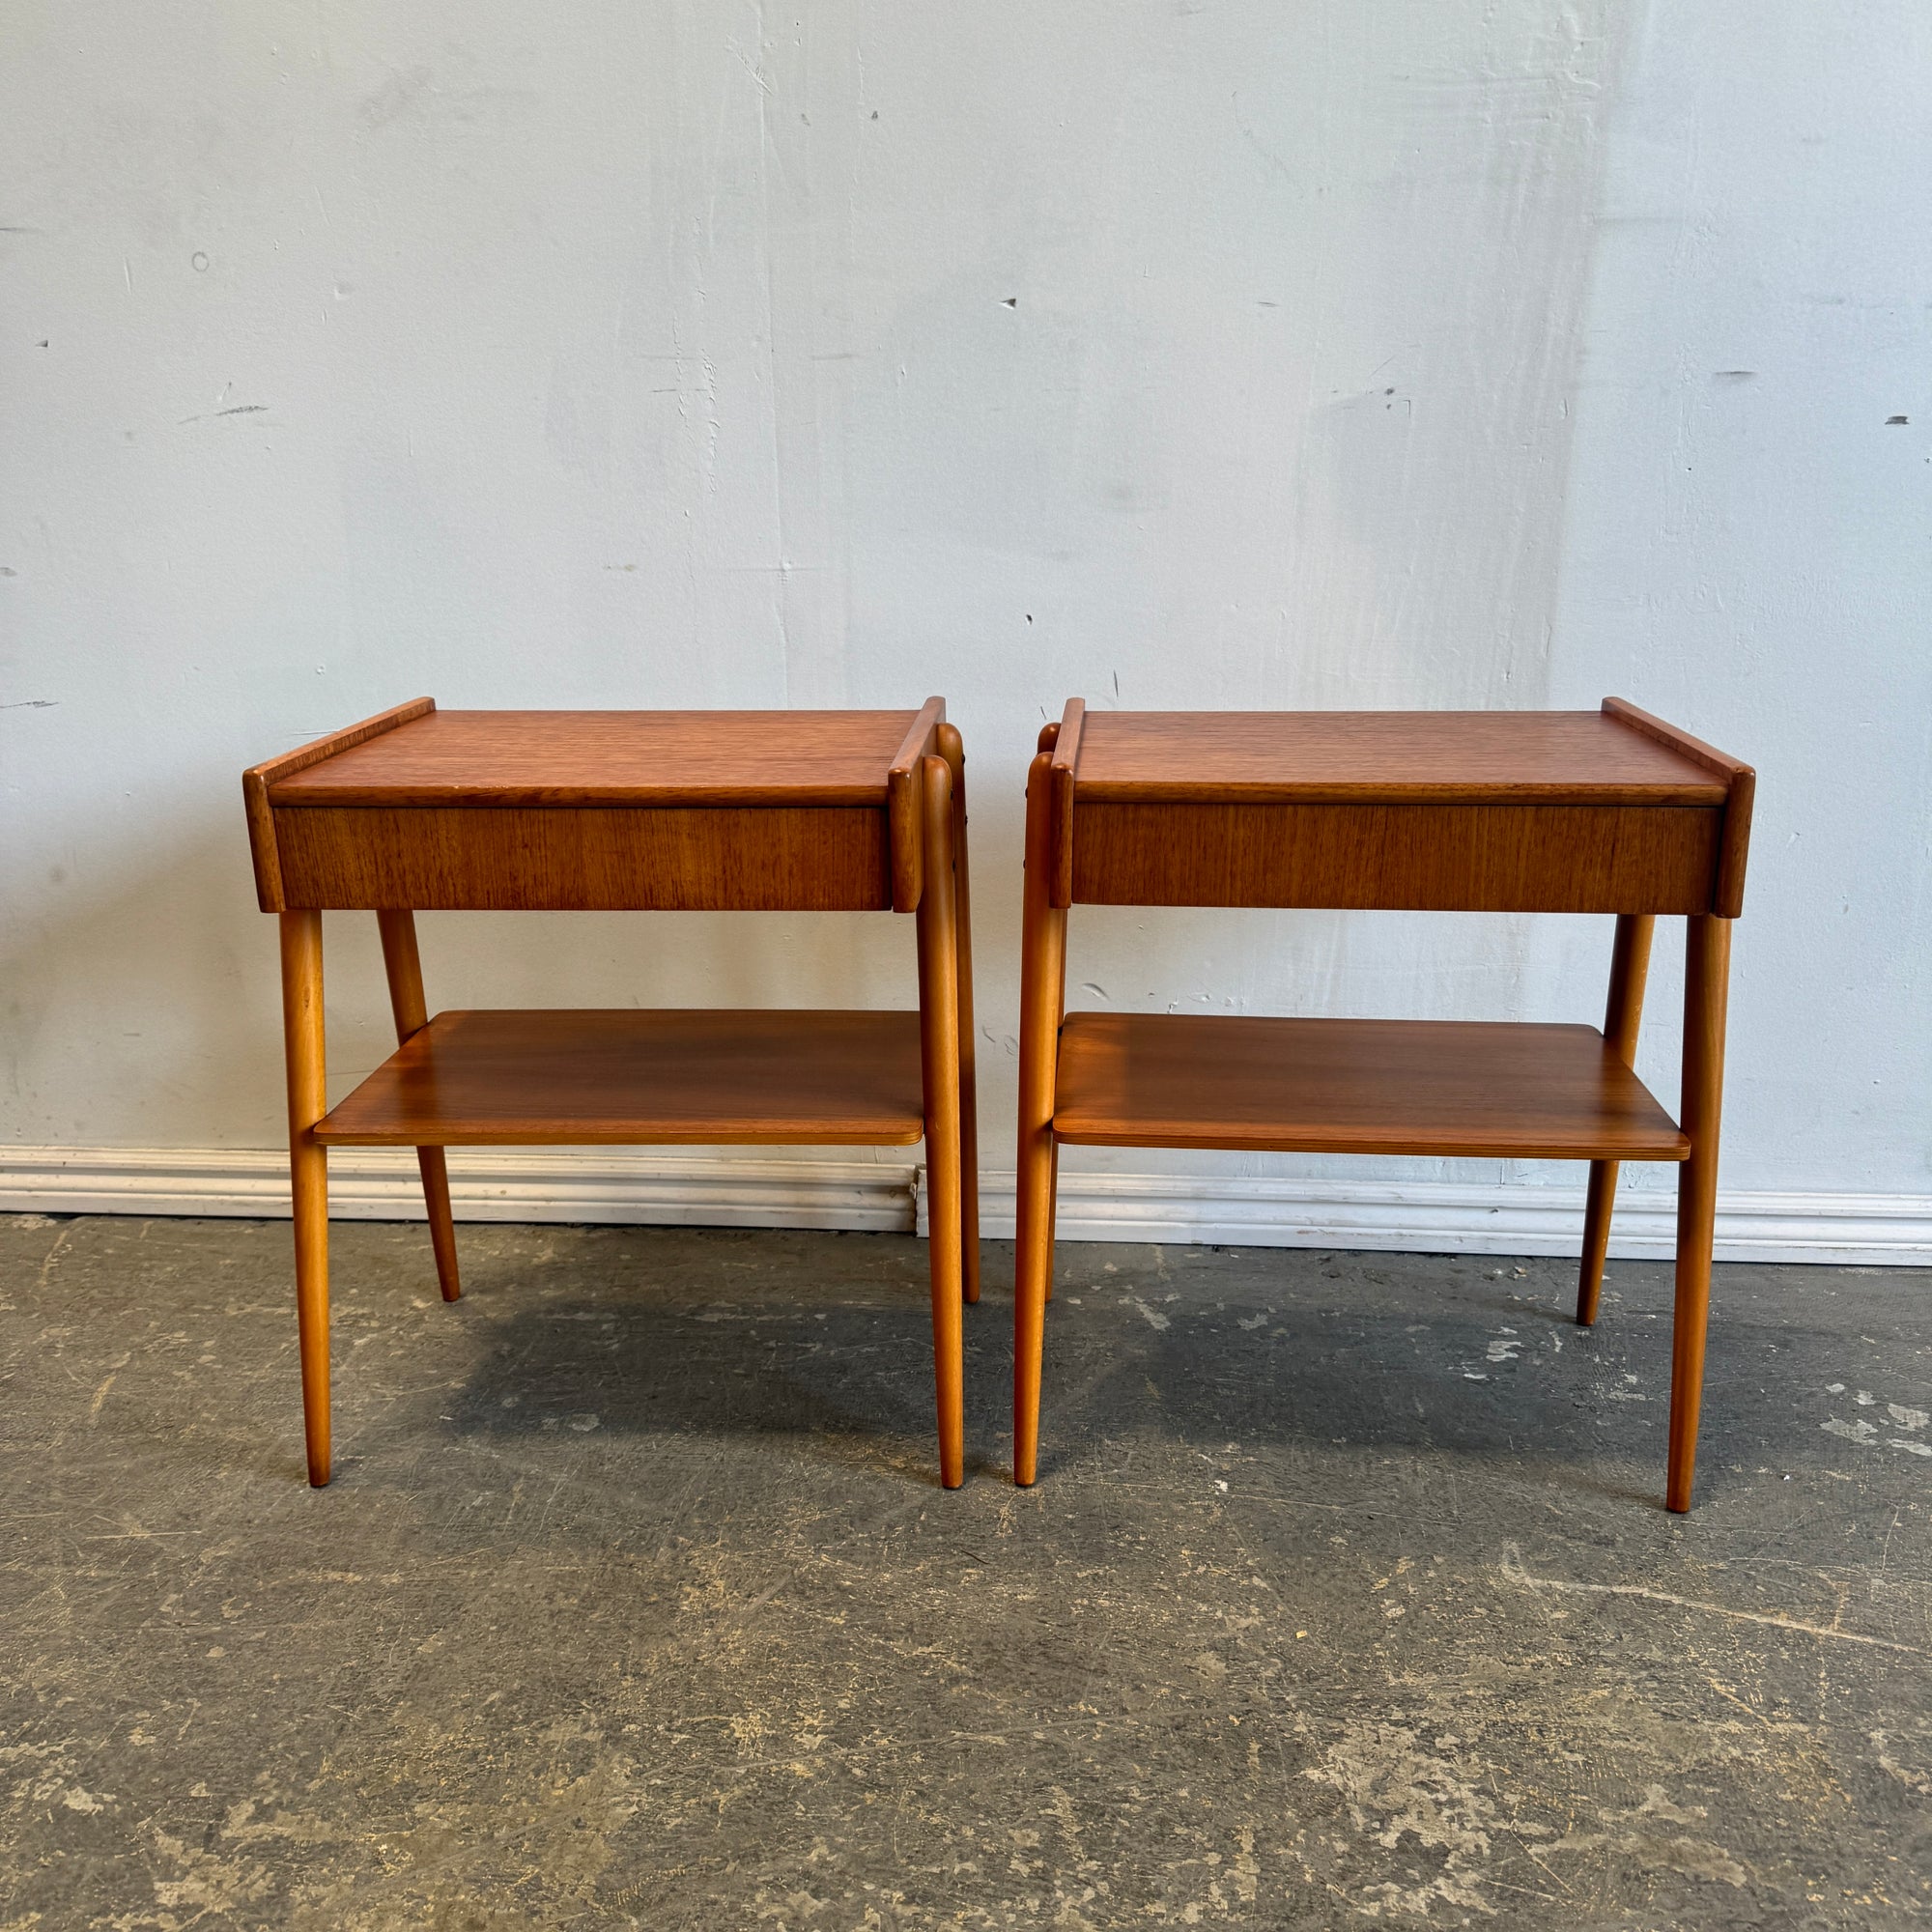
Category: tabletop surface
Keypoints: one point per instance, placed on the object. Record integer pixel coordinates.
(612, 758)
(1548, 757)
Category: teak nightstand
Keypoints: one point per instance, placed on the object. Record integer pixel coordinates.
(1597, 811)
(639, 810)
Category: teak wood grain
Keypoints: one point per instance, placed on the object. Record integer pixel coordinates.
(1707, 965)
(905, 804)
(1613, 811)
(256, 781)
(1608, 811)
(402, 965)
(1065, 756)
(1043, 987)
(636, 1077)
(305, 1049)
(1359, 757)
(566, 859)
(778, 810)
(1623, 1016)
(480, 760)
(1335, 1086)
(608, 810)
(951, 748)
(938, 935)
(1741, 785)
(1421, 858)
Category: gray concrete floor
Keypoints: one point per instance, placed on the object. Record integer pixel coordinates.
(1346, 1595)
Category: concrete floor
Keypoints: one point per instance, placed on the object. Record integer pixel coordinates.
(1346, 1595)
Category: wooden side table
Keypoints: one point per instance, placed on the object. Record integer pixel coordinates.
(1599, 812)
(578, 811)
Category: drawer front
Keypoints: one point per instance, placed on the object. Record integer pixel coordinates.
(754, 859)
(1471, 857)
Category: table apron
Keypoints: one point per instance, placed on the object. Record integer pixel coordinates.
(588, 859)
(1422, 858)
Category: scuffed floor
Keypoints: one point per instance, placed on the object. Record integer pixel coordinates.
(1346, 1596)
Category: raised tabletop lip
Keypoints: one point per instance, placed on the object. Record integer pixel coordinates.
(1678, 781)
(352, 778)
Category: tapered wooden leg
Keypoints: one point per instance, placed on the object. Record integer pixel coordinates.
(939, 1055)
(1629, 968)
(1052, 1204)
(308, 1167)
(403, 964)
(953, 752)
(1049, 737)
(1042, 975)
(1707, 967)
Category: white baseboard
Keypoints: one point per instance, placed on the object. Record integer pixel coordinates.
(597, 1184)
(609, 1186)
(1436, 1217)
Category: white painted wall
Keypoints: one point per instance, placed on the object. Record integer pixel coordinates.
(1201, 354)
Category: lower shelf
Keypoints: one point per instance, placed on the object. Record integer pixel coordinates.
(586, 1077)
(1302, 1086)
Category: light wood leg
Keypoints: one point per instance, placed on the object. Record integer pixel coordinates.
(1629, 968)
(953, 751)
(939, 1054)
(1052, 1204)
(308, 1167)
(1043, 977)
(1707, 966)
(403, 964)
(1056, 971)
